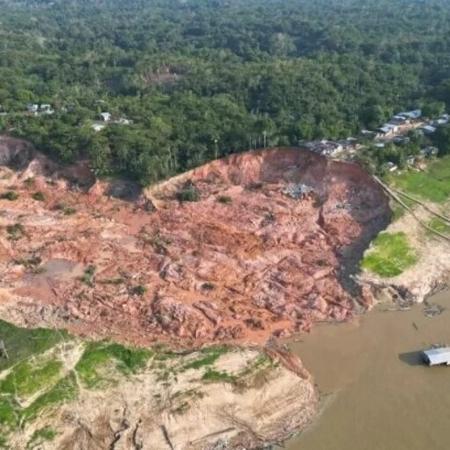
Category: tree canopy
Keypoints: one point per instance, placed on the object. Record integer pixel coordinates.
(200, 79)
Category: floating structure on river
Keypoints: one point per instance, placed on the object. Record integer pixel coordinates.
(437, 356)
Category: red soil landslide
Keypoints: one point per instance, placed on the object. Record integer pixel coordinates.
(242, 264)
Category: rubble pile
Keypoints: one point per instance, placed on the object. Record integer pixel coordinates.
(297, 191)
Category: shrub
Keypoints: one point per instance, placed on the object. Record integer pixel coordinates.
(38, 196)
(138, 290)
(88, 276)
(189, 193)
(29, 182)
(9, 195)
(15, 232)
(225, 199)
(67, 210)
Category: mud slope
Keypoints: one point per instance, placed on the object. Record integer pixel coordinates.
(245, 262)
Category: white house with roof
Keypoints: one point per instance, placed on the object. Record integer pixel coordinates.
(45, 108)
(33, 108)
(105, 116)
(98, 126)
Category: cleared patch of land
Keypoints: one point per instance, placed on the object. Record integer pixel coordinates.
(432, 184)
(440, 225)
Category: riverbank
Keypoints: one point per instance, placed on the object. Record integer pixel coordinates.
(60, 392)
(376, 393)
(408, 264)
(413, 262)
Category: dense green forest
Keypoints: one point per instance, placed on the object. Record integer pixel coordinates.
(200, 79)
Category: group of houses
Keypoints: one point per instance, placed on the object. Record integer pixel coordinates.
(394, 131)
(397, 122)
(332, 148)
(106, 118)
(400, 120)
(37, 109)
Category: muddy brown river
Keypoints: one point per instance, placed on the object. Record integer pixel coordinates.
(377, 393)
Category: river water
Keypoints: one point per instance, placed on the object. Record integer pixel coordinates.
(377, 393)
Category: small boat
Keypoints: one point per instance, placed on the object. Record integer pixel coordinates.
(437, 356)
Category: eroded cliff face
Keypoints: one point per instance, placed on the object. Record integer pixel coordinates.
(251, 259)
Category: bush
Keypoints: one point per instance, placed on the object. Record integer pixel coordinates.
(138, 290)
(88, 276)
(9, 195)
(15, 232)
(67, 210)
(189, 193)
(29, 182)
(38, 196)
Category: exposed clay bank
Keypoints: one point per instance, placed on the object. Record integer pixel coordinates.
(377, 393)
(242, 264)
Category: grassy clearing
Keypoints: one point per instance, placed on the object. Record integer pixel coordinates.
(22, 343)
(27, 378)
(397, 212)
(260, 363)
(40, 436)
(434, 184)
(219, 377)
(390, 256)
(8, 411)
(63, 391)
(99, 356)
(439, 225)
(3, 442)
(208, 357)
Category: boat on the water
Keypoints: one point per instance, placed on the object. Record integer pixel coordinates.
(437, 356)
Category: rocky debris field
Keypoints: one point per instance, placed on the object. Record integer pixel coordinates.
(256, 245)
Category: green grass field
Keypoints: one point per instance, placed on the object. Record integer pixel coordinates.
(98, 357)
(439, 225)
(390, 256)
(434, 184)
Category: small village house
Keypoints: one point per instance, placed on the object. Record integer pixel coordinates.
(105, 116)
